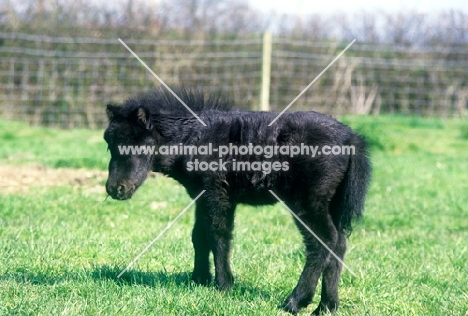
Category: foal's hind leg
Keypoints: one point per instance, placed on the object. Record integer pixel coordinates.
(319, 221)
(330, 279)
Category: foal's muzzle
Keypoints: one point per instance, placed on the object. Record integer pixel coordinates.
(120, 191)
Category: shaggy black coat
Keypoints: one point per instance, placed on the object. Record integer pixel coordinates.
(325, 191)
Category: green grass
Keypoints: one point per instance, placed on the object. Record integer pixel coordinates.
(62, 246)
(52, 147)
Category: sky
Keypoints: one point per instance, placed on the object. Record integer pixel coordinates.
(332, 6)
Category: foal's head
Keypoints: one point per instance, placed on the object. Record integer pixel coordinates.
(128, 137)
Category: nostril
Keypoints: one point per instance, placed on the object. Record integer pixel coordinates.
(121, 189)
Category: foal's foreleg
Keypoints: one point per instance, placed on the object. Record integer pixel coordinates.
(201, 271)
(216, 220)
(220, 226)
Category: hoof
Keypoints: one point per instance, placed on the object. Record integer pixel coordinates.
(290, 305)
(324, 309)
(201, 278)
(293, 305)
(225, 283)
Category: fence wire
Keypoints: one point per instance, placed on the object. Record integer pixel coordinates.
(66, 82)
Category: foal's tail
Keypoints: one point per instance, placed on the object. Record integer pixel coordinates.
(352, 191)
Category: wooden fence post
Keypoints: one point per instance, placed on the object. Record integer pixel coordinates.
(266, 73)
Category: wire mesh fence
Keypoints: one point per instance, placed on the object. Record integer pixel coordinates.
(66, 82)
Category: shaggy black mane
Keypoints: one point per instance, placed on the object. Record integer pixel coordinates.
(162, 101)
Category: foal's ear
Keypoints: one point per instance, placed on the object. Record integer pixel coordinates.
(144, 118)
(110, 111)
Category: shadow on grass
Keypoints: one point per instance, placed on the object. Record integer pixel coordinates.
(105, 272)
(135, 277)
(129, 278)
(164, 279)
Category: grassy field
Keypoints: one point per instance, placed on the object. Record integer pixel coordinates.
(62, 245)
